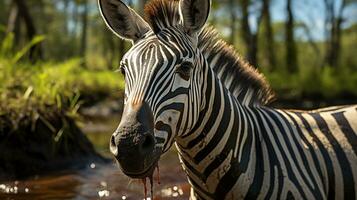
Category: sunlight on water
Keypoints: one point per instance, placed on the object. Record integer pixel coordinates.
(103, 193)
(172, 192)
(8, 189)
(92, 165)
(100, 181)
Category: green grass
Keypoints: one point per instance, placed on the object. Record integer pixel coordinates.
(53, 84)
(39, 90)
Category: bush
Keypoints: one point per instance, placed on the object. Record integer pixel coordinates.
(315, 84)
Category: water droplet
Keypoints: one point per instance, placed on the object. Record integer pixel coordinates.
(27, 190)
(92, 165)
(175, 188)
(123, 197)
(180, 191)
(103, 193)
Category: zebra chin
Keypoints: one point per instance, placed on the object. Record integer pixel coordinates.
(140, 175)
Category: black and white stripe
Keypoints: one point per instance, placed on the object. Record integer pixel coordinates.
(231, 145)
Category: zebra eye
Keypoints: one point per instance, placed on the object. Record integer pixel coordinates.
(184, 70)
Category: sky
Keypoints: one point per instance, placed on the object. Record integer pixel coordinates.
(312, 12)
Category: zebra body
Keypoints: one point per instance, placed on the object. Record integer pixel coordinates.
(241, 151)
(186, 86)
(263, 153)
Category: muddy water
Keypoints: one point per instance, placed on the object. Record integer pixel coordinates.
(100, 181)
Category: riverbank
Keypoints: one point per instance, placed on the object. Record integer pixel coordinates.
(38, 112)
(40, 142)
(98, 180)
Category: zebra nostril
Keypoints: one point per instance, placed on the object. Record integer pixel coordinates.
(148, 143)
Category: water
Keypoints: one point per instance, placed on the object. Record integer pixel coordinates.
(100, 181)
(95, 182)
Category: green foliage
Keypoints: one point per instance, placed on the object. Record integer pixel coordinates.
(12, 56)
(49, 84)
(54, 84)
(326, 83)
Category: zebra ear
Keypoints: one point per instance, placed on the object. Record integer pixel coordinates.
(194, 14)
(122, 20)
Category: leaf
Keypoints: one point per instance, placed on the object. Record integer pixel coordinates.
(28, 92)
(36, 40)
(7, 45)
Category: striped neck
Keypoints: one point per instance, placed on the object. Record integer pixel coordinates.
(210, 150)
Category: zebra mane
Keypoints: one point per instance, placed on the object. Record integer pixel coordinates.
(242, 80)
(245, 82)
(162, 14)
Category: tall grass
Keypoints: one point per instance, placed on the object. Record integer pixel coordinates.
(26, 86)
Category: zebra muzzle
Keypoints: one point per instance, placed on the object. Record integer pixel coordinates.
(133, 143)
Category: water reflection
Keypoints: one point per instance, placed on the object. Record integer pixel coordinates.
(100, 181)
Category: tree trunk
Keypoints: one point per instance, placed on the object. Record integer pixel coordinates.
(66, 14)
(291, 53)
(246, 31)
(13, 18)
(75, 18)
(269, 35)
(13, 24)
(250, 38)
(253, 50)
(232, 9)
(35, 51)
(83, 46)
(312, 43)
(333, 34)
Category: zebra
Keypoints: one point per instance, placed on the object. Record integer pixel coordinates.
(186, 86)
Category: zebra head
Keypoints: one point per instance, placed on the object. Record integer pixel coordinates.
(163, 76)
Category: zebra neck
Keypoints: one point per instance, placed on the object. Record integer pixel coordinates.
(223, 133)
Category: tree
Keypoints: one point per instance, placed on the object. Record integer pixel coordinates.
(269, 35)
(21, 10)
(333, 23)
(66, 15)
(250, 38)
(291, 53)
(83, 46)
(232, 9)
